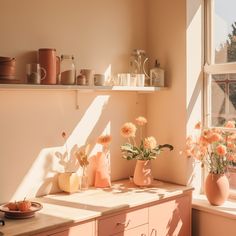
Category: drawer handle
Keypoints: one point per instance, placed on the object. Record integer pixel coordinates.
(2, 222)
(125, 224)
(154, 231)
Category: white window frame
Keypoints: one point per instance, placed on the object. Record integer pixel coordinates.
(210, 68)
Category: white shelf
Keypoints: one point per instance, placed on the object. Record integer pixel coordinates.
(148, 89)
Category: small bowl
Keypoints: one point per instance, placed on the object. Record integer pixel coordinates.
(6, 70)
(5, 59)
(8, 63)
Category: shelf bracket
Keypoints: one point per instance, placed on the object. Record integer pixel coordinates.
(77, 99)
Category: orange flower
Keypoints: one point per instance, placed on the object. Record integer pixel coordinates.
(230, 124)
(141, 121)
(221, 150)
(104, 140)
(128, 130)
(198, 125)
(215, 137)
(231, 157)
(150, 143)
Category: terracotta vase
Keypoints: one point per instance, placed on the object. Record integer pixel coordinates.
(143, 173)
(217, 188)
(68, 182)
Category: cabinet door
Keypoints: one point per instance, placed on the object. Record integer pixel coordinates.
(138, 231)
(171, 218)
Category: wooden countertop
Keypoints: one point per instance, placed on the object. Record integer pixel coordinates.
(64, 209)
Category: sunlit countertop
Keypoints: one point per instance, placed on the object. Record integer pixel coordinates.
(64, 209)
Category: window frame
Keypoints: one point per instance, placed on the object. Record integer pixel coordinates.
(211, 68)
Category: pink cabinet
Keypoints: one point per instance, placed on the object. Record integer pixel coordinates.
(171, 217)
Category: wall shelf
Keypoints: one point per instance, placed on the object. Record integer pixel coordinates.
(148, 89)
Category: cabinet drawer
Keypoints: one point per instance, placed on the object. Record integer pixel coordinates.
(81, 229)
(124, 221)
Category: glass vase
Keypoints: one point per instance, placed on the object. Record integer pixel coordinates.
(84, 181)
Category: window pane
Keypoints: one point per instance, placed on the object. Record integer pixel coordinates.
(224, 37)
(218, 98)
(232, 98)
(217, 121)
(232, 77)
(219, 77)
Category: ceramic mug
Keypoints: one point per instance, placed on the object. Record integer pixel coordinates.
(35, 73)
(99, 79)
(89, 74)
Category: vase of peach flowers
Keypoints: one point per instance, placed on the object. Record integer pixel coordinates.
(215, 148)
(143, 151)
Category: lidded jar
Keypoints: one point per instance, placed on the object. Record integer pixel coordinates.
(68, 71)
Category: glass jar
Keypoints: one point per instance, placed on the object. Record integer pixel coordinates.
(68, 72)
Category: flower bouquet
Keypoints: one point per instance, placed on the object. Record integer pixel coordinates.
(143, 151)
(215, 148)
(147, 149)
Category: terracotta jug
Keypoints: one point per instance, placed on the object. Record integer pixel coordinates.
(51, 63)
(143, 173)
(217, 188)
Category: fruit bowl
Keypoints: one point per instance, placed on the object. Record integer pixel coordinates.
(35, 206)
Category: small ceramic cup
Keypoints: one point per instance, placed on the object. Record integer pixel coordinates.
(99, 79)
(89, 74)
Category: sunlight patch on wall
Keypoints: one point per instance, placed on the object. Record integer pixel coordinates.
(41, 178)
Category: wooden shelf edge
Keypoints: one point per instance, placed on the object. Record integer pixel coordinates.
(147, 89)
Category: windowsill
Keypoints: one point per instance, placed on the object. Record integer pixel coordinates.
(228, 209)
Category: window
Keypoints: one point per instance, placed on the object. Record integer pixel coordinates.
(220, 67)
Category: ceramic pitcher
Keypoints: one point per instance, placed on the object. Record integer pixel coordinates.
(51, 63)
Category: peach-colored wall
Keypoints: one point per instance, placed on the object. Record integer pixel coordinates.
(101, 34)
(166, 110)
(175, 38)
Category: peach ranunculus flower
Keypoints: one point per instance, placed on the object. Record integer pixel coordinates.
(221, 150)
(141, 121)
(150, 143)
(128, 130)
(104, 140)
(215, 137)
(230, 124)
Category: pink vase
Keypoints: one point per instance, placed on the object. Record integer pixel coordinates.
(143, 173)
(102, 172)
(217, 188)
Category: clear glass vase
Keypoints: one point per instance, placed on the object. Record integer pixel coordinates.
(84, 181)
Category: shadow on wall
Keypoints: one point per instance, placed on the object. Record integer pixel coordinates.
(99, 117)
